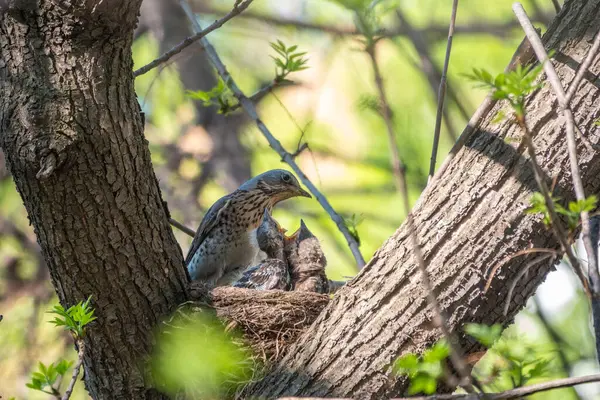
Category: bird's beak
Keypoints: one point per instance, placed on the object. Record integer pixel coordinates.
(303, 193)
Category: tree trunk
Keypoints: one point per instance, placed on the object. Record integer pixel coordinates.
(468, 220)
(72, 134)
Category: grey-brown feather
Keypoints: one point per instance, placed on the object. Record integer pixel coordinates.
(225, 242)
(307, 263)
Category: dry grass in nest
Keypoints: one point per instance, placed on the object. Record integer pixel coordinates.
(269, 320)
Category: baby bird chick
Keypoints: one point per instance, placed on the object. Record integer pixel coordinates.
(306, 262)
(271, 273)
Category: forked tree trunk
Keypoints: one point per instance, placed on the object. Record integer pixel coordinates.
(468, 221)
(69, 114)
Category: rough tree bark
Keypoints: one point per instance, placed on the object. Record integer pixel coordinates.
(72, 133)
(470, 219)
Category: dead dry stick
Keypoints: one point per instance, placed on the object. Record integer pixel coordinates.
(237, 9)
(583, 68)
(519, 276)
(386, 111)
(80, 354)
(554, 80)
(182, 227)
(555, 222)
(517, 393)
(510, 257)
(250, 109)
(442, 92)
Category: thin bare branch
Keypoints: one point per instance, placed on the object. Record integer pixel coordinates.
(583, 68)
(262, 92)
(397, 165)
(442, 91)
(188, 231)
(522, 56)
(237, 9)
(400, 178)
(555, 222)
(250, 109)
(506, 395)
(554, 80)
(556, 5)
(510, 257)
(559, 343)
(80, 354)
(517, 278)
(432, 31)
(427, 65)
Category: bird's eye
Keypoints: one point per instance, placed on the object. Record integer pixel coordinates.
(286, 178)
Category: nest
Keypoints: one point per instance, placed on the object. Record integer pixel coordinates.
(269, 321)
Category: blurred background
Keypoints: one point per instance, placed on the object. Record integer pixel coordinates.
(200, 155)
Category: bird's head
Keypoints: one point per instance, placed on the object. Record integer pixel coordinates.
(270, 235)
(305, 248)
(278, 184)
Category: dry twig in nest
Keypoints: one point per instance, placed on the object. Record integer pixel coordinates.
(269, 320)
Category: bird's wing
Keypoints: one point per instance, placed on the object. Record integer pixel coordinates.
(210, 220)
(271, 274)
(246, 280)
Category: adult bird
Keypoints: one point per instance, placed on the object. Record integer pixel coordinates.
(306, 262)
(225, 242)
(271, 273)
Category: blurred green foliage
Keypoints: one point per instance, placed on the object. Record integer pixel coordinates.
(47, 375)
(425, 371)
(196, 356)
(572, 212)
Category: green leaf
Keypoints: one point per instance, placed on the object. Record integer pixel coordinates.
(439, 352)
(75, 318)
(63, 366)
(35, 384)
(422, 383)
(484, 334)
(407, 364)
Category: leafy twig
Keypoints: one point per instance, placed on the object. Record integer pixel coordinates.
(237, 9)
(572, 147)
(522, 56)
(442, 91)
(250, 109)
